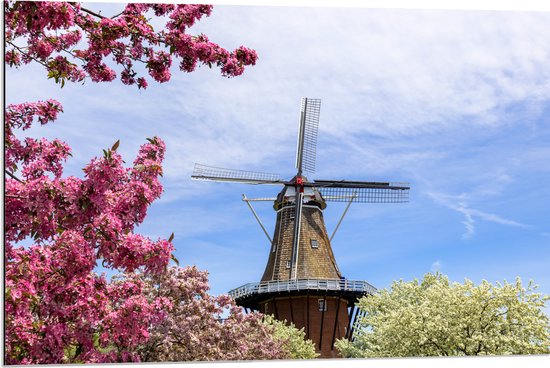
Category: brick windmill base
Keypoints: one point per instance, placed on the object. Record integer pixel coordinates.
(325, 309)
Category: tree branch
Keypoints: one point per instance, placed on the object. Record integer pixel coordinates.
(92, 13)
(14, 177)
(25, 53)
(14, 196)
(119, 14)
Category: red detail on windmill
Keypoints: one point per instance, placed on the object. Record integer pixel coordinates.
(300, 182)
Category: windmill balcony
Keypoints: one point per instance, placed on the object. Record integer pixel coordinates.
(249, 294)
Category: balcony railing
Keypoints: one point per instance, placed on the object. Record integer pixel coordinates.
(302, 284)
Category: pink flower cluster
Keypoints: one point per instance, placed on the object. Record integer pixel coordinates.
(57, 309)
(40, 156)
(52, 32)
(202, 327)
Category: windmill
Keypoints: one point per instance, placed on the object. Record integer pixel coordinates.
(301, 282)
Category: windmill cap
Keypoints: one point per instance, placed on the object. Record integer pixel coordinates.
(311, 197)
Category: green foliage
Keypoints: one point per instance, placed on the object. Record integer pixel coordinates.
(294, 341)
(437, 318)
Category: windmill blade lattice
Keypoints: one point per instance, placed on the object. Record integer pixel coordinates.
(363, 192)
(307, 138)
(203, 172)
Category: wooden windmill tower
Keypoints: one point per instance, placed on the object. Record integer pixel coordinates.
(301, 282)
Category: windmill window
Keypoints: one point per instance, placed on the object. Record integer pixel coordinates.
(314, 243)
(287, 264)
(322, 305)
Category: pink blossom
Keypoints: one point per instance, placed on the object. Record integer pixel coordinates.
(54, 299)
(50, 32)
(193, 328)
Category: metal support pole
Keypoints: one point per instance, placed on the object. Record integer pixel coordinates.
(257, 218)
(349, 322)
(297, 228)
(357, 312)
(344, 214)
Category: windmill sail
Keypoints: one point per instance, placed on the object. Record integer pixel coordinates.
(203, 172)
(307, 137)
(363, 191)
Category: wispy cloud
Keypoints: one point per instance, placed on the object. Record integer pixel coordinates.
(382, 73)
(458, 203)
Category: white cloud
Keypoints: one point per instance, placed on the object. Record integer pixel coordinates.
(457, 203)
(436, 266)
(391, 73)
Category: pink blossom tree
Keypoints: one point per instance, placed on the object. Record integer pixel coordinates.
(200, 326)
(58, 310)
(55, 303)
(73, 42)
(57, 229)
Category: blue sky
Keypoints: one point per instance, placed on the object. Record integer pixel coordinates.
(457, 103)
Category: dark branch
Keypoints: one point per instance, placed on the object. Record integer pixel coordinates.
(26, 53)
(17, 197)
(92, 13)
(14, 177)
(119, 14)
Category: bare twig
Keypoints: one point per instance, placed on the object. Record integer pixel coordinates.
(119, 14)
(92, 13)
(26, 53)
(14, 196)
(13, 176)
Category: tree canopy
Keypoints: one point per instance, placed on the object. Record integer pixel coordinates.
(73, 42)
(199, 326)
(58, 309)
(435, 317)
(294, 341)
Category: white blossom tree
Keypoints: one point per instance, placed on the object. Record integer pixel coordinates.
(434, 317)
(294, 342)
